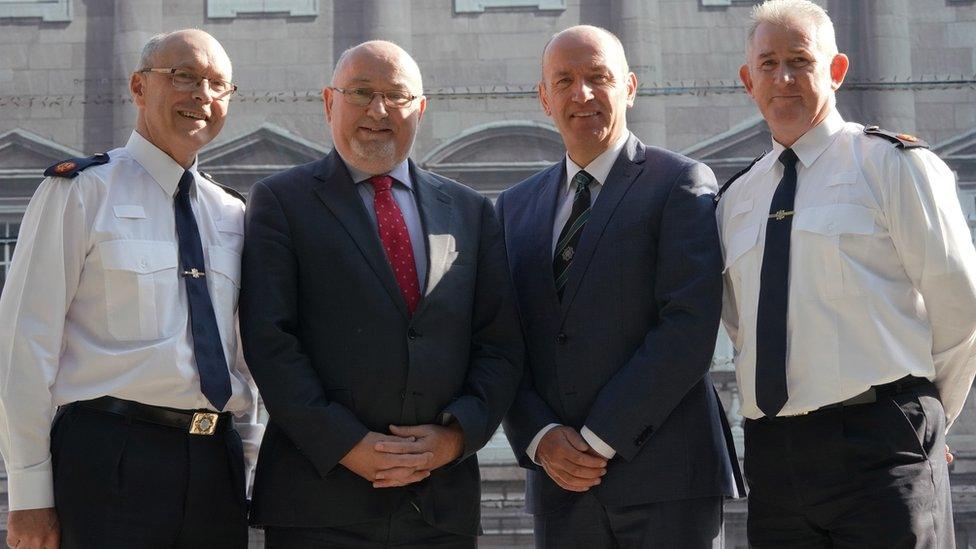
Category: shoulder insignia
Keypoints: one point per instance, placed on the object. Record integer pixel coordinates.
(718, 196)
(73, 166)
(229, 190)
(902, 140)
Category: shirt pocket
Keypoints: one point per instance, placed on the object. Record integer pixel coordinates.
(742, 263)
(141, 288)
(224, 285)
(823, 234)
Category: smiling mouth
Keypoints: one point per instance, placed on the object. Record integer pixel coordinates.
(588, 114)
(192, 115)
(375, 130)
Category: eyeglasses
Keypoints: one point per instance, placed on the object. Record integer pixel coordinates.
(184, 80)
(364, 96)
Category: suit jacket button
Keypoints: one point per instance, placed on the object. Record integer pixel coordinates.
(412, 334)
(561, 338)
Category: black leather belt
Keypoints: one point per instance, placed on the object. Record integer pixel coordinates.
(872, 394)
(195, 422)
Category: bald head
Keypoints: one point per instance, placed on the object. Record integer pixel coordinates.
(402, 67)
(183, 40)
(596, 37)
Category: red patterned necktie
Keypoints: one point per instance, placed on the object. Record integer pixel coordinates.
(396, 240)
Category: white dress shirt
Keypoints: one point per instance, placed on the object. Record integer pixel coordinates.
(882, 270)
(402, 191)
(599, 169)
(93, 306)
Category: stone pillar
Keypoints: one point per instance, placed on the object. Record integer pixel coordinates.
(388, 20)
(638, 24)
(135, 22)
(887, 55)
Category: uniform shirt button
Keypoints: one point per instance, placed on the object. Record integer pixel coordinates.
(561, 338)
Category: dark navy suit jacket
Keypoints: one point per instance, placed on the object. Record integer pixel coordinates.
(334, 352)
(628, 349)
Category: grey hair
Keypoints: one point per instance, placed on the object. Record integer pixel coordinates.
(149, 51)
(786, 13)
(157, 42)
(407, 62)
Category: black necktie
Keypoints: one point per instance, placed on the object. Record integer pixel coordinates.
(774, 286)
(207, 347)
(570, 235)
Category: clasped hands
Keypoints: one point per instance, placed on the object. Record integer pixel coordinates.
(405, 456)
(569, 460)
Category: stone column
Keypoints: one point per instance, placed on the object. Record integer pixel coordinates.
(388, 20)
(638, 24)
(135, 22)
(887, 55)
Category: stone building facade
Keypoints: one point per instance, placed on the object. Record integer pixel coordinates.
(65, 64)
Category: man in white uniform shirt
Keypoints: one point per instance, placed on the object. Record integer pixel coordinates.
(119, 366)
(851, 300)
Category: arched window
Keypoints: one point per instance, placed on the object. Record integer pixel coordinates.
(493, 157)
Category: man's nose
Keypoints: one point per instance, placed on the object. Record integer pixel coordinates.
(377, 106)
(203, 92)
(785, 74)
(583, 92)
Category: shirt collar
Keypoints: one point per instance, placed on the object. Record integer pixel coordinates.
(600, 166)
(400, 172)
(160, 166)
(810, 145)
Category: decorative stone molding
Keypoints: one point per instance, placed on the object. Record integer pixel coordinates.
(492, 157)
(478, 6)
(46, 10)
(228, 9)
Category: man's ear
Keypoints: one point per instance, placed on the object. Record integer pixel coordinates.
(631, 88)
(422, 107)
(137, 87)
(746, 78)
(544, 99)
(838, 70)
(327, 95)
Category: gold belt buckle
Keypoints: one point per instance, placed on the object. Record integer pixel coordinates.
(204, 423)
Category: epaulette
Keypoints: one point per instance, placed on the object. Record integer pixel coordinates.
(903, 140)
(229, 190)
(718, 196)
(73, 166)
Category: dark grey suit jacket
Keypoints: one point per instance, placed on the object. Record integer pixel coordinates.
(627, 351)
(327, 337)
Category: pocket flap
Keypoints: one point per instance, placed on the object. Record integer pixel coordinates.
(133, 211)
(230, 225)
(226, 262)
(140, 256)
(740, 207)
(835, 219)
(740, 242)
(844, 178)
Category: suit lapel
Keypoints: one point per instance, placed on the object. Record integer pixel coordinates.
(338, 192)
(437, 217)
(625, 170)
(543, 218)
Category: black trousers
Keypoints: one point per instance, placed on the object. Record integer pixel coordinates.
(405, 528)
(125, 484)
(588, 524)
(863, 476)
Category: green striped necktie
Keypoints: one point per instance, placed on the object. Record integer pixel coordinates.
(569, 237)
